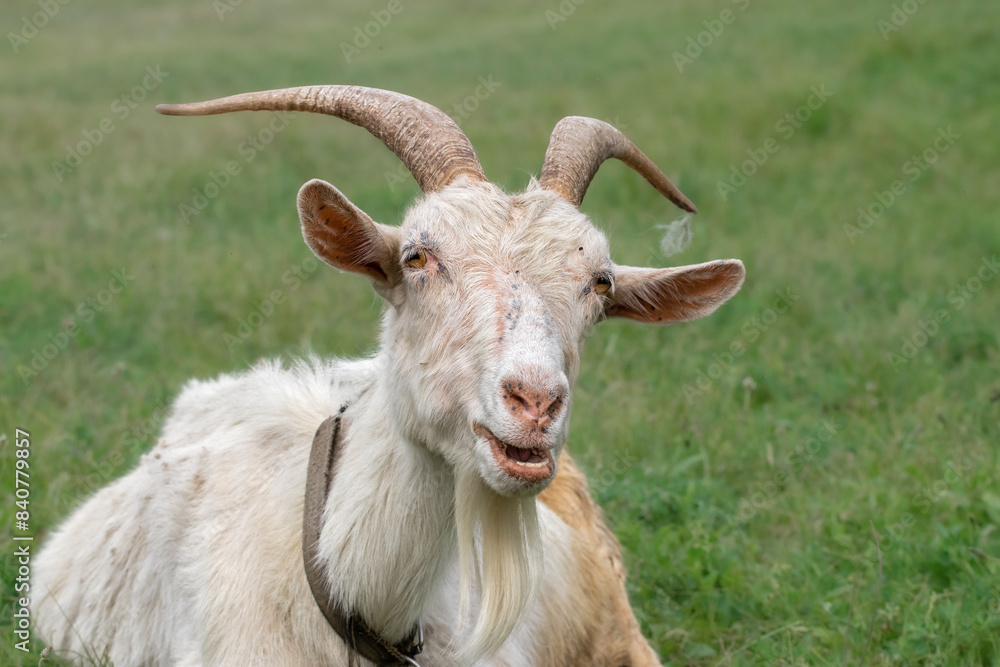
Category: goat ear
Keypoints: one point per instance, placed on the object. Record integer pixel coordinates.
(678, 294)
(343, 236)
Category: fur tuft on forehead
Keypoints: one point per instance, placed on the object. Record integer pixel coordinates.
(527, 232)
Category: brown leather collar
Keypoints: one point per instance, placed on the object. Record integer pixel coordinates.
(353, 629)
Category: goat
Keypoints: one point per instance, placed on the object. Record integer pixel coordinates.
(443, 439)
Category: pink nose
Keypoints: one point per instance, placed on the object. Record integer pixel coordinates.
(533, 406)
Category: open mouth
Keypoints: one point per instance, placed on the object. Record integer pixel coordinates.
(529, 464)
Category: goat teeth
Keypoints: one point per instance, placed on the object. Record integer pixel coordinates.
(530, 464)
(532, 458)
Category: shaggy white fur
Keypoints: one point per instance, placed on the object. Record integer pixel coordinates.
(454, 426)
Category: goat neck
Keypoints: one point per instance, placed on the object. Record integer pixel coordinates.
(388, 533)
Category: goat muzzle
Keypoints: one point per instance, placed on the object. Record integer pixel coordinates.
(527, 464)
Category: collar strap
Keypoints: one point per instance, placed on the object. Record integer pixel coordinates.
(351, 627)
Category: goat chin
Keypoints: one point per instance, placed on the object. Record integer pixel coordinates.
(500, 556)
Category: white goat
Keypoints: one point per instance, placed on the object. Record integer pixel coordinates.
(443, 440)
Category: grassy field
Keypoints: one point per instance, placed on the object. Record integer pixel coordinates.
(847, 153)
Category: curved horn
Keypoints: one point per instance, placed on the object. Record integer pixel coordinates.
(577, 148)
(428, 142)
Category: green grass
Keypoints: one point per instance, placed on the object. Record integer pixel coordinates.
(749, 538)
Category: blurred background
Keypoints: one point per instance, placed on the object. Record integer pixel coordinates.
(809, 476)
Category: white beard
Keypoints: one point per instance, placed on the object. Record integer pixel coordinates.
(500, 555)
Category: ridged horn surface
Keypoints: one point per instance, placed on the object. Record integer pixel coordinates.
(576, 150)
(428, 142)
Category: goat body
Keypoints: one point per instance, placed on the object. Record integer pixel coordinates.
(193, 558)
(451, 433)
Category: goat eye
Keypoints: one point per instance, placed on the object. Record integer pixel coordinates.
(602, 284)
(416, 259)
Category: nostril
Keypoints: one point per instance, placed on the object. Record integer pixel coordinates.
(539, 407)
